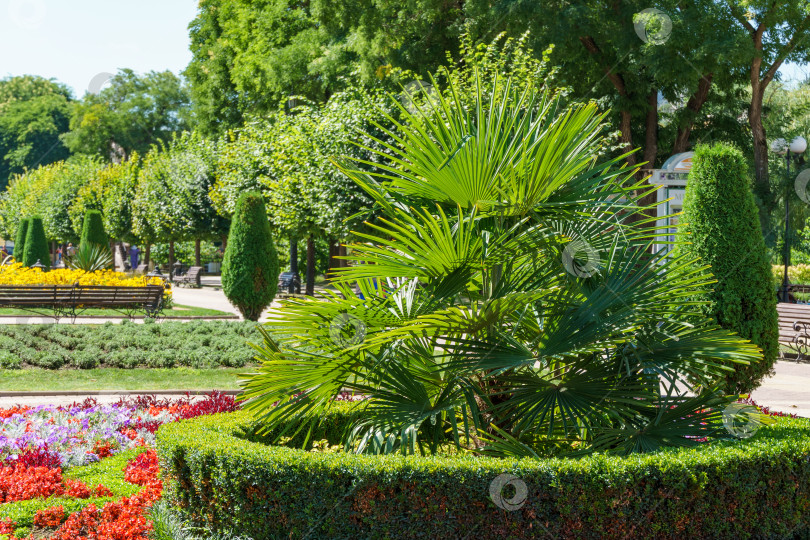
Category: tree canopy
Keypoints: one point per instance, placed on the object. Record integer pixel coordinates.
(34, 113)
(130, 115)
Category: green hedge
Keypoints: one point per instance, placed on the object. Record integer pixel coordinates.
(720, 227)
(759, 487)
(199, 344)
(36, 244)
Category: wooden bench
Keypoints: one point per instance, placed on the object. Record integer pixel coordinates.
(192, 277)
(794, 330)
(70, 300)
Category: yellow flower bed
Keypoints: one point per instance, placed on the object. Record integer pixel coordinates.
(17, 274)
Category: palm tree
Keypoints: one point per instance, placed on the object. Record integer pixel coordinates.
(506, 302)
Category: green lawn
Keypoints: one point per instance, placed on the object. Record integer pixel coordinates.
(181, 378)
(176, 311)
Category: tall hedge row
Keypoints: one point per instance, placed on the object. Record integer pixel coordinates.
(36, 244)
(19, 240)
(754, 488)
(250, 265)
(720, 227)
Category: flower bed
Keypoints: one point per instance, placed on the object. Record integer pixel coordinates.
(17, 274)
(87, 470)
(757, 487)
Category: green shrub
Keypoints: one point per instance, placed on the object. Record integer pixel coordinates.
(87, 359)
(753, 488)
(19, 239)
(8, 360)
(721, 228)
(49, 359)
(36, 244)
(93, 230)
(130, 345)
(250, 266)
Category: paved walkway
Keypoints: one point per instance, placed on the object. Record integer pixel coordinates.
(787, 391)
(77, 397)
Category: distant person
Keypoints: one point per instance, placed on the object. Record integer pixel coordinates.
(134, 256)
(59, 255)
(71, 250)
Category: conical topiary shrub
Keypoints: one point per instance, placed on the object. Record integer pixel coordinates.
(720, 227)
(36, 244)
(250, 266)
(19, 240)
(93, 229)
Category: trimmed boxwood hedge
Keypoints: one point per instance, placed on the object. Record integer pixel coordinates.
(221, 479)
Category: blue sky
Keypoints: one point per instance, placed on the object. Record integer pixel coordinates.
(75, 40)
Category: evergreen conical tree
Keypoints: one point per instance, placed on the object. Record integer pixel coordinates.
(36, 244)
(93, 229)
(19, 240)
(720, 227)
(250, 265)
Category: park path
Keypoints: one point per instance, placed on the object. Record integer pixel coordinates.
(787, 391)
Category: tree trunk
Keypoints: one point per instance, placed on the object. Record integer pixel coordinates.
(224, 242)
(333, 260)
(171, 257)
(625, 126)
(693, 107)
(53, 253)
(342, 263)
(147, 252)
(293, 264)
(197, 256)
(310, 266)
(762, 188)
(650, 148)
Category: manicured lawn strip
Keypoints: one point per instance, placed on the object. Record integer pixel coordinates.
(182, 378)
(108, 472)
(178, 310)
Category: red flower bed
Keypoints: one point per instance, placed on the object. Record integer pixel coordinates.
(20, 483)
(119, 520)
(36, 473)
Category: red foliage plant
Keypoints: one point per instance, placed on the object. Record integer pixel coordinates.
(36, 457)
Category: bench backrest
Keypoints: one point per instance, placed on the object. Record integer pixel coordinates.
(80, 295)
